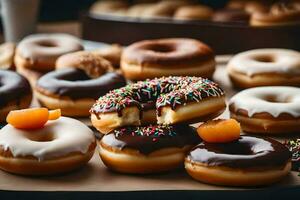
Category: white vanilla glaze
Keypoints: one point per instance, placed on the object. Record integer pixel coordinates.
(283, 61)
(255, 100)
(69, 135)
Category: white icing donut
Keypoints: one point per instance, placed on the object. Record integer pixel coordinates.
(274, 100)
(282, 61)
(57, 138)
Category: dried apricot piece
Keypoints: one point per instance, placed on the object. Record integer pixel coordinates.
(54, 114)
(220, 131)
(31, 118)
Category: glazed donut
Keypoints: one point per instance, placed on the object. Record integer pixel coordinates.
(231, 15)
(248, 161)
(73, 91)
(7, 52)
(279, 14)
(177, 99)
(93, 65)
(264, 67)
(40, 51)
(267, 110)
(112, 54)
(193, 12)
(60, 146)
(15, 93)
(147, 149)
(165, 57)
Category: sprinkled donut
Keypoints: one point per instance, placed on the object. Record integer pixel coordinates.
(166, 100)
(147, 149)
(267, 110)
(60, 146)
(264, 67)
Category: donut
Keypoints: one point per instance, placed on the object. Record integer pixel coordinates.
(40, 51)
(265, 67)
(94, 65)
(249, 6)
(248, 161)
(193, 12)
(60, 146)
(294, 146)
(267, 110)
(147, 149)
(279, 14)
(177, 99)
(231, 15)
(73, 91)
(7, 52)
(108, 7)
(112, 54)
(15, 93)
(165, 57)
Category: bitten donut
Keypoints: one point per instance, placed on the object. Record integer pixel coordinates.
(265, 67)
(147, 149)
(248, 161)
(267, 110)
(15, 93)
(73, 91)
(165, 57)
(281, 13)
(94, 65)
(40, 51)
(60, 146)
(166, 100)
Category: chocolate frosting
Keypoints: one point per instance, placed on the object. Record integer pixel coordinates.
(12, 87)
(247, 152)
(151, 138)
(75, 84)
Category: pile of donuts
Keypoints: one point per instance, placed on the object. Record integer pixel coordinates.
(145, 100)
(253, 12)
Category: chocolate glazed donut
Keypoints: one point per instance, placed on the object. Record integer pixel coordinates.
(147, 149)
(15, 92)
(249, 161)
(73, 91)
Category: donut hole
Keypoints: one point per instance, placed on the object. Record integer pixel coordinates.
(47, 44)
(265, 58)
(73, 77)
(161, 48)
(233, 148)
(40, 137)
(276, 99)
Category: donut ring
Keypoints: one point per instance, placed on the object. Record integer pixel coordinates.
(148, 149)
(264, 67)
(60, 146)
(267, 110)
(15, 93)
(40, 51)
(7, 53)
(73, 91)
(177, 99)
(93, 64)
(248, 161)
(165, 57)
(279, 14)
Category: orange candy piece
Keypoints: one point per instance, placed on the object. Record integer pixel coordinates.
(31, 118)
(54, 114)
(220, 131)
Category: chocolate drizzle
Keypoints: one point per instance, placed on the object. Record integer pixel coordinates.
(147, 139)
(166, 91)
(247, 152)
(12, 87)
(75, 84)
